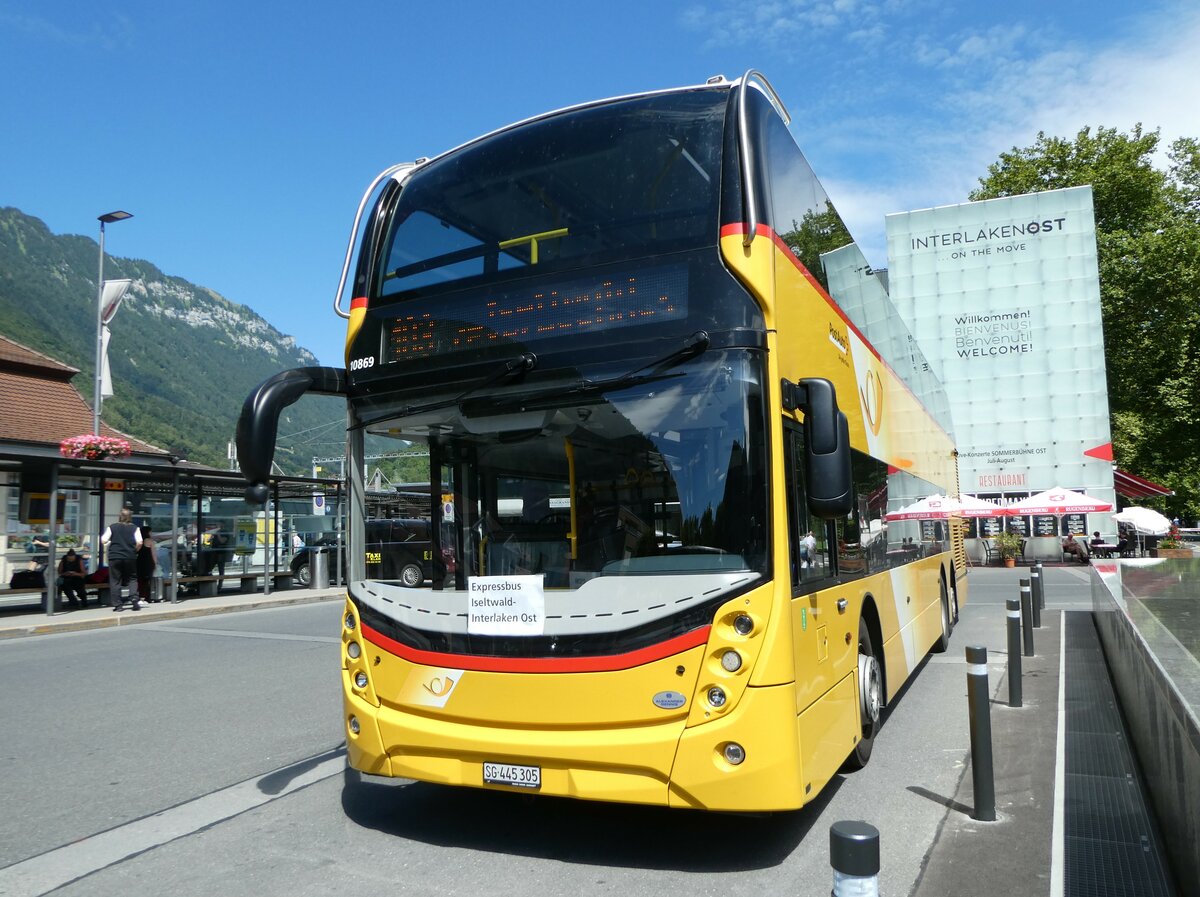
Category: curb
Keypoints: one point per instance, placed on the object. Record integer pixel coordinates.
(158, 615)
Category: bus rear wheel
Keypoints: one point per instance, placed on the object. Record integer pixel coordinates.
(943, 643)
(870, 697)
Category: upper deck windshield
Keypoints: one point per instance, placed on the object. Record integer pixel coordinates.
(625, 179)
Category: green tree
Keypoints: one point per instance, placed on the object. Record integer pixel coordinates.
(818, 233)
(1148, 244)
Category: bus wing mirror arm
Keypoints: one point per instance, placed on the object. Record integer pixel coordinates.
(830, 485)
(258, 424)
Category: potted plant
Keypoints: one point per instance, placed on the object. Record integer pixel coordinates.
(94, 448)
(1172, 546)
(1009, 546)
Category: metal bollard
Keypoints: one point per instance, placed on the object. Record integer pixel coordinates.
(1035, 582)
(854, 856)
(1041, 594)
(978, 698)
(1013, 615)
(1027, 616)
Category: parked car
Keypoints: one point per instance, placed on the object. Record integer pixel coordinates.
(397, 549)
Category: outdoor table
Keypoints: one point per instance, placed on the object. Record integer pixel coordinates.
(1103, 549)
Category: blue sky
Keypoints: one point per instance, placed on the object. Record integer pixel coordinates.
(242, 135)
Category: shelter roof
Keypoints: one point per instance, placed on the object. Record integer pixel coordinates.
(40, 403)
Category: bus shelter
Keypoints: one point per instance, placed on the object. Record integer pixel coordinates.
(198, 515)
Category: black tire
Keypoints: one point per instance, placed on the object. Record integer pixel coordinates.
(411, 575)
(302, 576)
(943, 643)
(870, 704)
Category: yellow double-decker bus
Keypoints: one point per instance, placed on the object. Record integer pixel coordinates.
(662, 456)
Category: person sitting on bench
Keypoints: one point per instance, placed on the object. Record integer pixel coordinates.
(1070, 546)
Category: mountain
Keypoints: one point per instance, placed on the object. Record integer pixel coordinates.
(183, 357)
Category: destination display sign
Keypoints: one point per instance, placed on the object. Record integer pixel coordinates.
(524, 314)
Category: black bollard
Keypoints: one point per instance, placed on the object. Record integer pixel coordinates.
(1027, 616)
(1013, 614)
(854, 856)
(1041, 593)
(1037, 601)
(980, 709)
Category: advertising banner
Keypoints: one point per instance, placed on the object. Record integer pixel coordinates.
(1003, 296)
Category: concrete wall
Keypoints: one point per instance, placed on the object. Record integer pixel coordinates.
(1162, 722)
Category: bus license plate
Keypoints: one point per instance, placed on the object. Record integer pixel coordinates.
(516, 776)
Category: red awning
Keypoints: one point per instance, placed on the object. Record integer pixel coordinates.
(1135, 487)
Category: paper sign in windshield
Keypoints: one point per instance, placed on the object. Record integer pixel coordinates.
(506, 605)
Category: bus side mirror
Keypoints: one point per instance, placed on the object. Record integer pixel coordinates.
(258, 424)
(827, 473)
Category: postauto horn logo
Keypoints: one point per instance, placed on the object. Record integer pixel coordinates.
(439, 686)
(871, 393)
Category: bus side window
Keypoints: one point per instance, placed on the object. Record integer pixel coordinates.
(808, 538)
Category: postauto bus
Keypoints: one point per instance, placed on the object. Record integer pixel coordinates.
(668, 453)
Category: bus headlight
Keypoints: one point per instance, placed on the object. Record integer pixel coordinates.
(360, 679)
(731, 661)
(734, 753)
(354, 649)
(354, 725)
(743, 624)
(716, 696)
(349, 621)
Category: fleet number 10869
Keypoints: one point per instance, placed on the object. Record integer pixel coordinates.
(358, 364)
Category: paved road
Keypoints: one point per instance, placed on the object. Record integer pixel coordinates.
(203, 756)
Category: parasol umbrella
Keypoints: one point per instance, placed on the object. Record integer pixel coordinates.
(1145, 521)
(1058, 501)
(970, 506)
(933, 507)
(941, 507)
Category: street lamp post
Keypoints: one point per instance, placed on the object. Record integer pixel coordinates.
(96, 398)
(103, 219)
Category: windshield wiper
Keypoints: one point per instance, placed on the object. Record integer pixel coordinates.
(514, 367)
(695, 345)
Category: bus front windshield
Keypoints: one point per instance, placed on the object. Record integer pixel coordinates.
(592, 489)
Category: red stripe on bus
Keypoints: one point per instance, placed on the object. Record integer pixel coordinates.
(360, 302)
(605, 664)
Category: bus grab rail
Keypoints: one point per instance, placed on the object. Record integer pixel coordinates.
(383, 175)
(258, 424)
(749, 198)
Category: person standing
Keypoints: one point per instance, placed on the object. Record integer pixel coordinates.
(122, 539)
(808, 550)
(147, 564)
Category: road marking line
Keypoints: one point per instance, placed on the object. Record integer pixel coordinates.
(42, 874)
(195, 630)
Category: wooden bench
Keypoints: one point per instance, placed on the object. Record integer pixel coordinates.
(34, 594)
(204, 586)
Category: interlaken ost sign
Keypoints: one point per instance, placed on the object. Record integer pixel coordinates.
(1003, 296)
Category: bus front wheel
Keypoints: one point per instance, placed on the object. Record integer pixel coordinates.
(870, 697)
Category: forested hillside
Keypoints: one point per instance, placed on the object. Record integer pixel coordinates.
(183, 358)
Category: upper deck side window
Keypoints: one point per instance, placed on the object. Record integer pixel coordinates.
(627, 179)
(800, 211)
